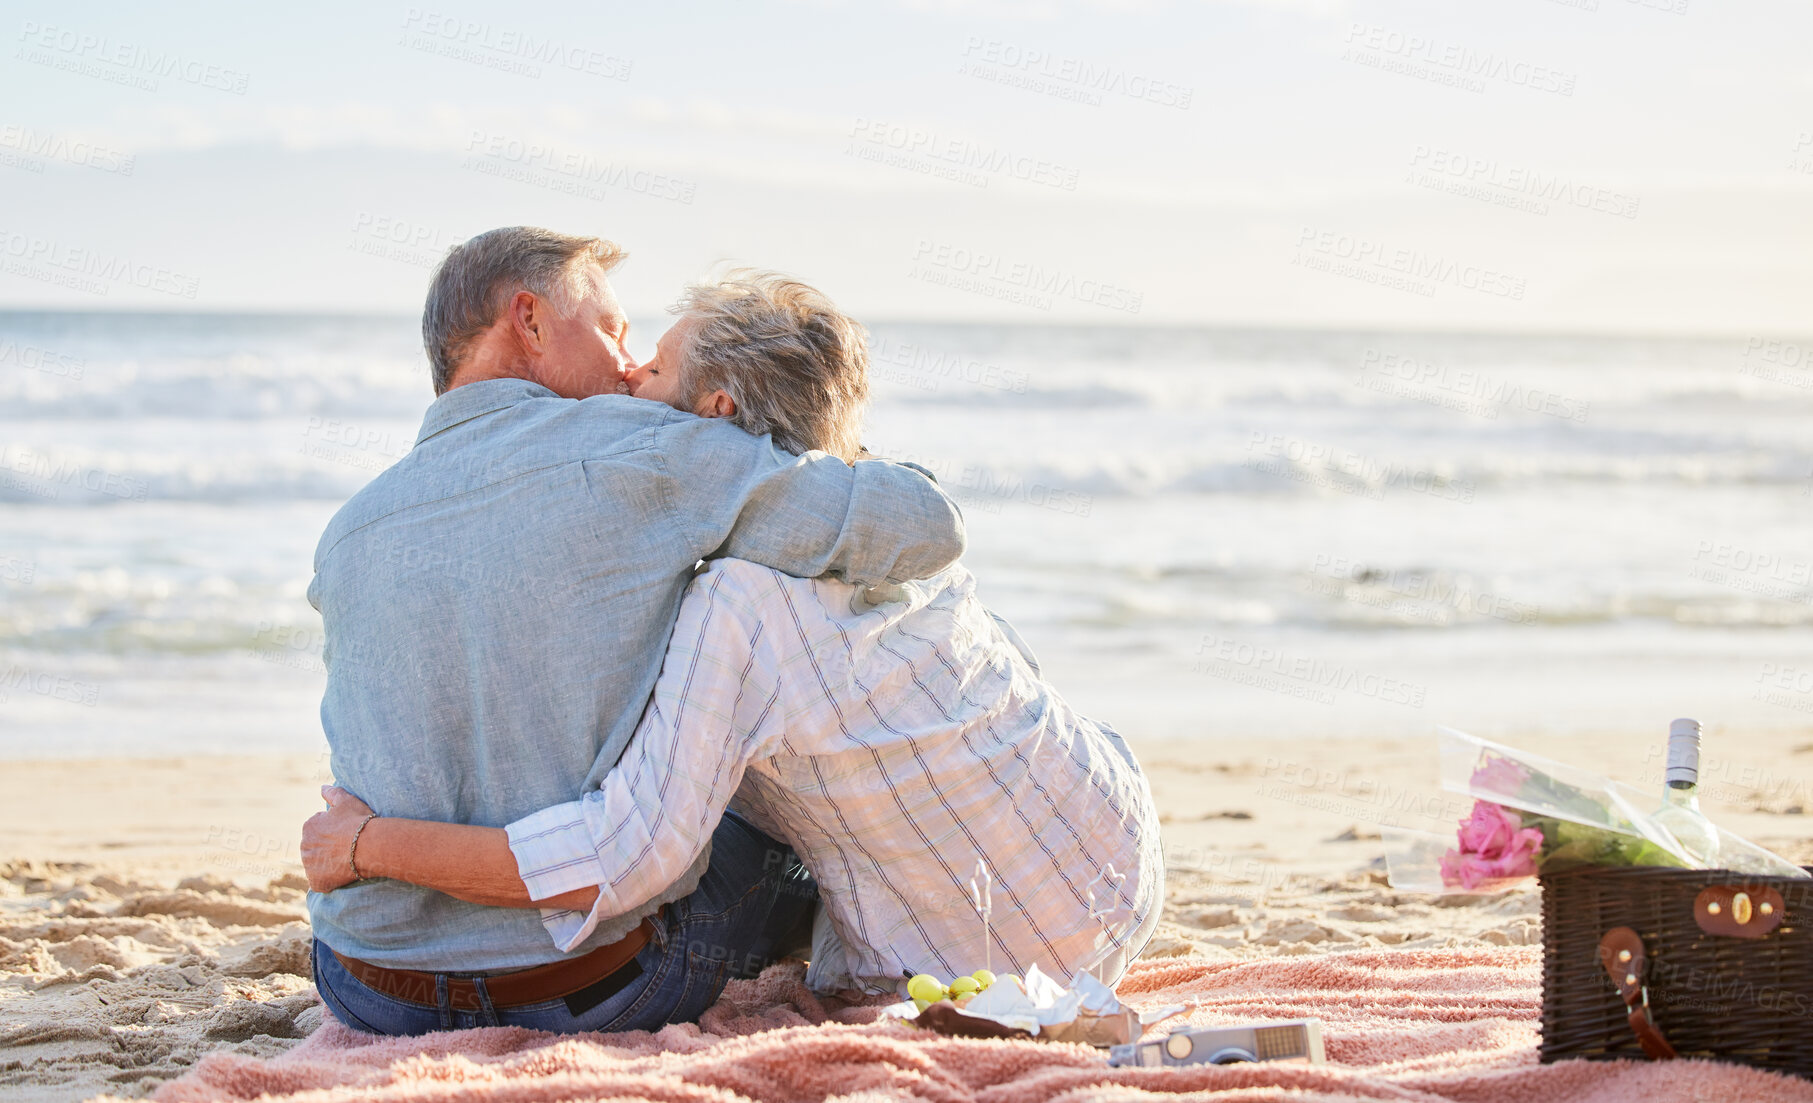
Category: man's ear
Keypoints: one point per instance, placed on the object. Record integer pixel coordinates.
(527, 319)
(716, 404)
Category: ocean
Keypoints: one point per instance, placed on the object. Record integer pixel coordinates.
(1215, 534)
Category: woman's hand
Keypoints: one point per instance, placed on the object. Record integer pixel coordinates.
(327, 839)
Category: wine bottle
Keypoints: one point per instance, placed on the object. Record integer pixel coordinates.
(1680, 810)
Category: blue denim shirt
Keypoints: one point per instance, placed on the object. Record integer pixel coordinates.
(498, 604)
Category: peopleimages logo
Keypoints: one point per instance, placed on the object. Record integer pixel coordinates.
(1348, 472)
(957, 155)
(46, 477)
(569, 171)
(1494, 181)
(985, 272)
(389, 238)
(38, 359)
(505, 49)
(1799, 160)
(58, 262)
(1467, 390)
(1448, 62)
(1219, 655)
(45, 684)
(988, 489)
(399, 231)
(1416, 595)
(1066, 77)
(57, 147)
(1778, 361)
(1379, 262)
(1784, 577)
(119, 62)
(291, 646)
(917, 366)
(353, 444)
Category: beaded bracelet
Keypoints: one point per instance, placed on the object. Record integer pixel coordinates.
(352, 856)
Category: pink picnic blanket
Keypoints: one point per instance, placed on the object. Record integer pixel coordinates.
(1407, 1026)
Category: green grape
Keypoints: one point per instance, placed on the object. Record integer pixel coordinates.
(922, 1004)
(926, 987)
(964, 986)
(983, 977)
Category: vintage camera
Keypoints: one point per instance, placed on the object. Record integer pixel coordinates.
(1294, 1039)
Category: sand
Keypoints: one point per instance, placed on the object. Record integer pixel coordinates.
(151, 912)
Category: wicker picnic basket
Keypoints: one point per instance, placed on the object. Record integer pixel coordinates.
(1665, 962)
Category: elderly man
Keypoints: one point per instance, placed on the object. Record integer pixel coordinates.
(496, 608)
(899, 738)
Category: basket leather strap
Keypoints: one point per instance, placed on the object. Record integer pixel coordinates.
(1621, 952)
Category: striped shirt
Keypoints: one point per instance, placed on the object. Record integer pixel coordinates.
(891, 745)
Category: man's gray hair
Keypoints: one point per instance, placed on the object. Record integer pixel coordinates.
(478, 277)
(797, 367)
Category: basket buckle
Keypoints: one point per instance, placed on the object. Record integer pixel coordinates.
(1739, 911)
(1621, 952)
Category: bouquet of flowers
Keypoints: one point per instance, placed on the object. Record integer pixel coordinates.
(1534, 815)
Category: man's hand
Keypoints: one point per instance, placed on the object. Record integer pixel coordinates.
(327, 839)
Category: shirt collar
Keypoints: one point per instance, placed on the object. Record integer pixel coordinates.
(487, 396)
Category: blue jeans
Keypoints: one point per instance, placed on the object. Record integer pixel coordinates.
(747, 912)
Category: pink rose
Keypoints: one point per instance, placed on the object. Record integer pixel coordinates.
(1494, 845)
(1489, 830)
(1499, 775)
(1467, 871)
(1470, 871)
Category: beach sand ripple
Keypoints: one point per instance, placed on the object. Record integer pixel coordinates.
(108, 984)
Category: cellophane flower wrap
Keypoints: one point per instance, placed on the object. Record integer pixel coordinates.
(1534, 815)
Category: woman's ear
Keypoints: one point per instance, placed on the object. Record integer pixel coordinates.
(716, 404)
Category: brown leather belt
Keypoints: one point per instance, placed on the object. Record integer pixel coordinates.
(581, 978)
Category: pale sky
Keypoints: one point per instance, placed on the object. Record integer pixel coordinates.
(1599, 165)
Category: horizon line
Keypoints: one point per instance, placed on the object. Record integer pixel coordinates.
(1155, 325)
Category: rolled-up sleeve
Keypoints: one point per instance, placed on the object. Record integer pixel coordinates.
(654, 814)
(554, 852)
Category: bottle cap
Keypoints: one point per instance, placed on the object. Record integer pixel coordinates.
(1684, 752)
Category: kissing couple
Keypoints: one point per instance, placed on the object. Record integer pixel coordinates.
(643, 676)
